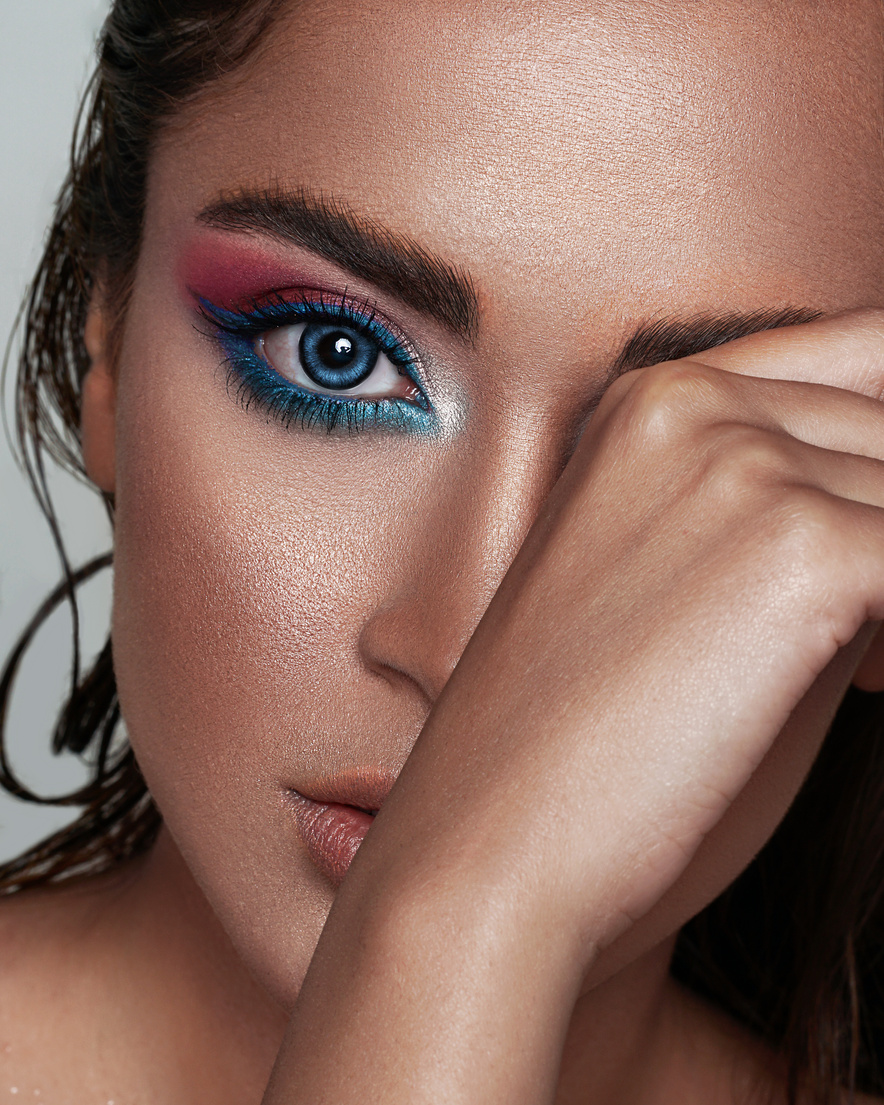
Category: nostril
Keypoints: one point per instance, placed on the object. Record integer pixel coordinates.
(400, 681)
(391, 648)
(415, 641)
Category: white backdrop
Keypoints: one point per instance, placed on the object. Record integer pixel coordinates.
(46, 52)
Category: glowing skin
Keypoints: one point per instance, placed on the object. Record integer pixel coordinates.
(290, 605)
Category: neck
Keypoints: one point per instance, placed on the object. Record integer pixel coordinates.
(636, 1038)
(200, 1014)
(640, 1038)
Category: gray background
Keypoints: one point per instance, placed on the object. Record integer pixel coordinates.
(46, 52)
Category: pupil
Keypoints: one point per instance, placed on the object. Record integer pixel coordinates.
(336, 350)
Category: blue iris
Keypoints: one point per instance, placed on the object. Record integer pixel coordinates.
(337, 358)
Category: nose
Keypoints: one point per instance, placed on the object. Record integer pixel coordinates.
(454, 562)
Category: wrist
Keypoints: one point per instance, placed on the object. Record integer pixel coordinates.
(429, 992)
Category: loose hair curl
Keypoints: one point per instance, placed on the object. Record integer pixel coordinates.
(793, 948)
(154, 56)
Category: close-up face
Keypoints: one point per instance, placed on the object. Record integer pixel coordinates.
(461, 213)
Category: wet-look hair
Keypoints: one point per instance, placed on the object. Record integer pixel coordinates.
(792, 949)
(154, 56)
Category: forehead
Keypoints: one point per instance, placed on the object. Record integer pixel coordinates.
(692, 150)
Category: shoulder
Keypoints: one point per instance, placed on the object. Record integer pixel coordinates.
(39, 928)
(43, 934)
(51, 943)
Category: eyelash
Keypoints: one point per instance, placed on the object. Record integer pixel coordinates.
(257, 384)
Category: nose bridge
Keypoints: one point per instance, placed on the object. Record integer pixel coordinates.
(474, 525)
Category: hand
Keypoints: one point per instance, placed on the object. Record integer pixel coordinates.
(716, 538)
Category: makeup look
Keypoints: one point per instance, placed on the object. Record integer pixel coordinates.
(389, 267)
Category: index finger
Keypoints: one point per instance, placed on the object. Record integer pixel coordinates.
(844, 351)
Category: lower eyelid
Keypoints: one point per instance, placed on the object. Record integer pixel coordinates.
(255, 385)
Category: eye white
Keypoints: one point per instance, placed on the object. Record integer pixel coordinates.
(280, 348)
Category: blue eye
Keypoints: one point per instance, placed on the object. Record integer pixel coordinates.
(344, 362)
(320, 362)
(335, 357)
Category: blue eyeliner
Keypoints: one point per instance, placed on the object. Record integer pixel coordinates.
(257, 384)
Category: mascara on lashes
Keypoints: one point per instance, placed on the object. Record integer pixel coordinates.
(257, 384)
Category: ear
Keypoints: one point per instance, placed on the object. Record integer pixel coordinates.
(98, 402)
(869, 675)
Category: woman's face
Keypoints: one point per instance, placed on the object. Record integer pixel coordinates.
(499, 196)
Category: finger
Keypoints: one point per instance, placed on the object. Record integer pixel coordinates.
(856, 479)
(843, 351)
(828, 417)
(690, 394)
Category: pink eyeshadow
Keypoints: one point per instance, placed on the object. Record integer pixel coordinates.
(231, 273)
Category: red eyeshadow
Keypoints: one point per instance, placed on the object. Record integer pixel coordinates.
(230, 273)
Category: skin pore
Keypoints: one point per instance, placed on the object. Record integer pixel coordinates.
(290, 603)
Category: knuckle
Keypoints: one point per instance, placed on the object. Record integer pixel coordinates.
(743, 459)
(758, 476)
(812, 543)
(662, 399)
(807, 527)
(617, 391)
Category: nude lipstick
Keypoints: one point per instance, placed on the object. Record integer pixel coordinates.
(333, 816)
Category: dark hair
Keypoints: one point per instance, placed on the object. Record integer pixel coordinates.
(791, 949)
(154, 56)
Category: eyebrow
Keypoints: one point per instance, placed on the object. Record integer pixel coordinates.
(390, 260)
(673, 338)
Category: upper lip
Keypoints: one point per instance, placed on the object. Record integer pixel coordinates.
(365, 788)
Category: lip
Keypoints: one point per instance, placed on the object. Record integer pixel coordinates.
(334, 814)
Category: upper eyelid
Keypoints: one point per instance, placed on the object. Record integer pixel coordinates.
(257, 317)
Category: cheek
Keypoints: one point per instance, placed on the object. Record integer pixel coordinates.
(247, 561)
(235, 591)
(244, 572)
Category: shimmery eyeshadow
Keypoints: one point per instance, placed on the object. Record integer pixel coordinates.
(243, 288)
(228, 273)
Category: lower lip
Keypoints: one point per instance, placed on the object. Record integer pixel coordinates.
(331, 833)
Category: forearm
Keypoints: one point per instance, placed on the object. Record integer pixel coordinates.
(428, 996)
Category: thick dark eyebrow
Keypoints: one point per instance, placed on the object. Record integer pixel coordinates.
(390, 260)
(420, 278)
(671, 339)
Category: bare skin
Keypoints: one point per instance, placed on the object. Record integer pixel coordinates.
(613, 748)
